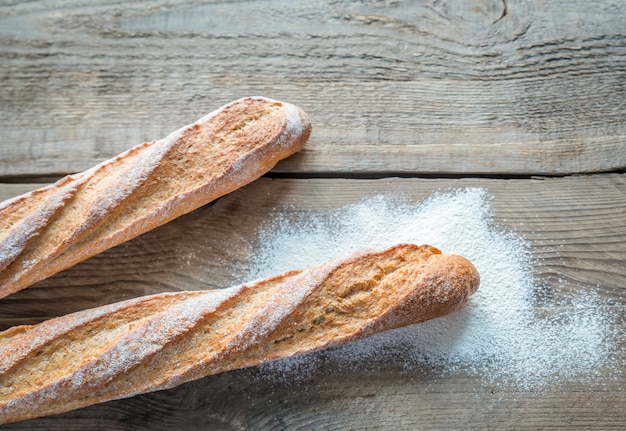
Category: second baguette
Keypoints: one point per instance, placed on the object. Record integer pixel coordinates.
(160, 341)
(55, 227)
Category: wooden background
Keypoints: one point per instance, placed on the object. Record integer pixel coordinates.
(524, 98)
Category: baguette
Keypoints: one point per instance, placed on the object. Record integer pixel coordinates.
(157, 342)
(55, 227)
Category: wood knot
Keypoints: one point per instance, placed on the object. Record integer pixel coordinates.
(469, 23)
(484, 22)
(480, 12)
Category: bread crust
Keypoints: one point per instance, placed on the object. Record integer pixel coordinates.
(55, 227)
(160, 341)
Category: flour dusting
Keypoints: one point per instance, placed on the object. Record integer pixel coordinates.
(502, 336)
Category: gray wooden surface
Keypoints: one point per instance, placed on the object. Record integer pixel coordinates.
(526, 99)
(498, 87)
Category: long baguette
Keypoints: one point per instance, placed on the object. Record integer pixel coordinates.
(160, 341)
(55, 227)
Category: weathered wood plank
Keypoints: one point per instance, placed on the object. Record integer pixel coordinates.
(495, 87)
(575, 227)
(344, 400)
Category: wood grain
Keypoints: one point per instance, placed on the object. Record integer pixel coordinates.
(457, 88)
(481, 86)
(575, 227)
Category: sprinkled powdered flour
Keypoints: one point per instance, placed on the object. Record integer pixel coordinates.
(500, 336)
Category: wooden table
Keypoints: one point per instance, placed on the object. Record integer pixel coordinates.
(526, 99)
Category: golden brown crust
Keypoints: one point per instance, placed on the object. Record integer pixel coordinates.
(53, 228)
(160, 341)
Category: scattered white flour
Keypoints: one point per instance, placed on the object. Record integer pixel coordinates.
(502, 336)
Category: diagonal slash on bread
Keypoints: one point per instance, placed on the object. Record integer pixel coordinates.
(55, 227)
(157, 342)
